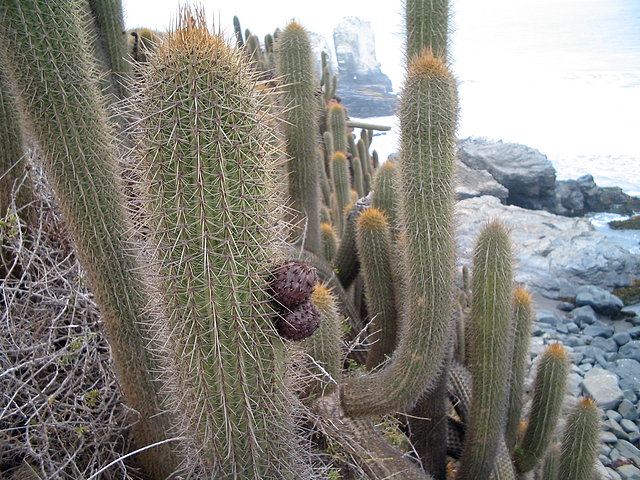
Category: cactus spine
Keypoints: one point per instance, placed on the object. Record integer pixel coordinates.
(295, 65)
(209, 161)
(490, 337)
(428, 115)
(579, 449)
(523, 317)
(548, 395)
(61, 101)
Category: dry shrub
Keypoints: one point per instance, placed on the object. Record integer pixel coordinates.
(61, 411)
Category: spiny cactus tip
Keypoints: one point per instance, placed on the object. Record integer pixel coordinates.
(321, 296)
(428, 65)
(557, 350)
(372, 219)
(522, 297)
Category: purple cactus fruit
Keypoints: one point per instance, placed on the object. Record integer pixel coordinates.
(298, 323)
(293, 282)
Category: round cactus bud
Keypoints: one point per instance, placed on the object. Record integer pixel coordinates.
(293, 282)
(299, 323)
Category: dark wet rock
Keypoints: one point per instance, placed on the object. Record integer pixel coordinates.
(527, 174)
(599, 299)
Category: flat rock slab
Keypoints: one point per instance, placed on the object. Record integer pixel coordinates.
(604, 390)
(555, 255)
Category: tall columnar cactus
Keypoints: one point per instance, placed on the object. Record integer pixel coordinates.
(580, 439)
(373, 240)
(523, 318)
(295, 66)
(337, 125)
(60, 97)
(490, 338)
(209, 160)
(548, 395)
(428, 114)
(427, 25)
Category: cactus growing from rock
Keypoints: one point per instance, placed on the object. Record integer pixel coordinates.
(548, 396)
(523, 318)
(579, 449)
(209, 160)
(490, 338)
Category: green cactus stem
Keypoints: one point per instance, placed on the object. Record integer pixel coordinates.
(358, 178)
(551, 463)
(523, 318)
(111, 37)
(368, 126)
(341, 183)
(238, 32)
(373, 240)
(490, 334)
(209, 160)
(329, 241)
(427, 25)
(346, 263)
(60, 98)
(12, 153)
(385, 195)
(325, 345)
(295, 66)
(548, 395)
(375, 159)
(337, 125)
(428, 115)
(580, 442)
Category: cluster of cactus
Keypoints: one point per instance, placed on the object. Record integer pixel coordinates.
(216, 278)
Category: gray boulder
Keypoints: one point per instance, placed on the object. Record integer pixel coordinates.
(555, 254)
(631, 350)
(599, 299)
(476, 183)
(527, 174)
(569, 198)
(603, 387)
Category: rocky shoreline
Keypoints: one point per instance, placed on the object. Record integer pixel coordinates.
(571, 268)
